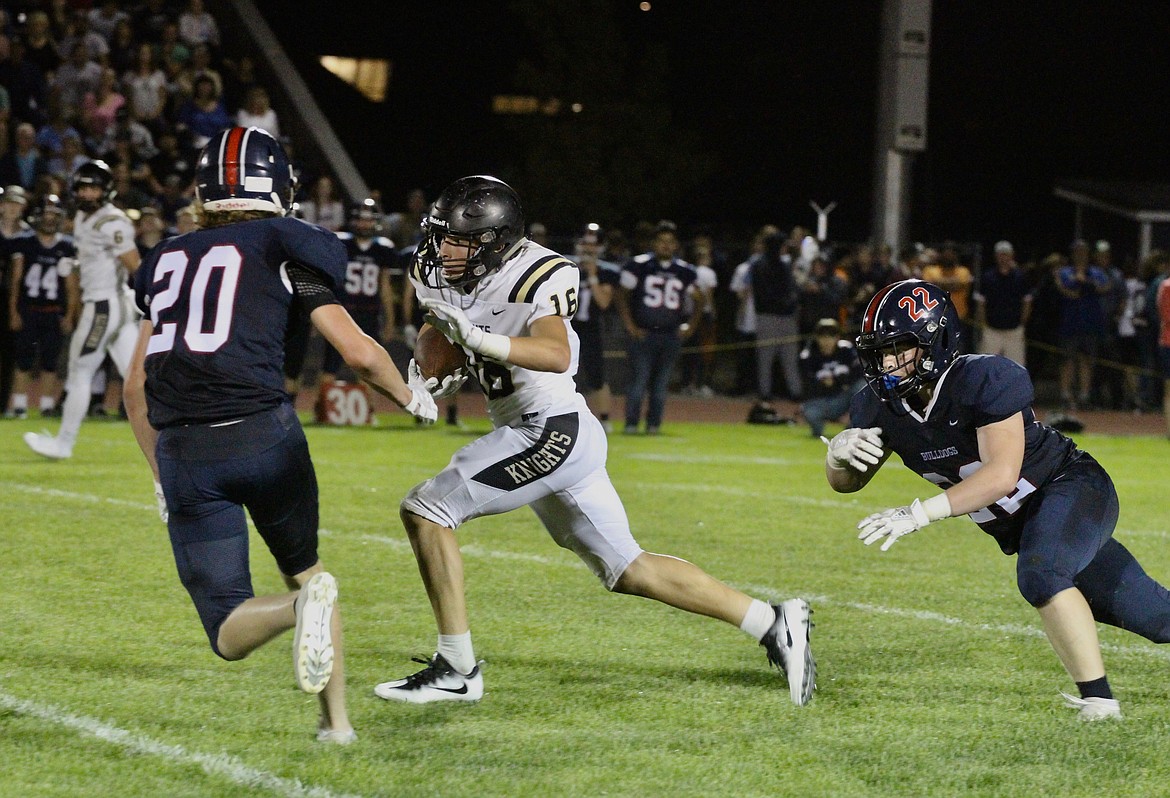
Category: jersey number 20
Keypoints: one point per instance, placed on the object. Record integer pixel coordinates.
(174, 264)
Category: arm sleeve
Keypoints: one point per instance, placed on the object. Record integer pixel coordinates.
(310, 287)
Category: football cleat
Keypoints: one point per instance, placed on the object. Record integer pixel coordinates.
(787, 646)
(313, 641)
(46, 445)
(438, 681)
(336, 736)
(1094, 708)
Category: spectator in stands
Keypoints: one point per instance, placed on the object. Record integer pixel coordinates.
(1164, 346)
(831, 373)
(146, 89)
(175, 197)
(239, 75)
(1003, 304)
(822, 294)
(650, 301)
(72, 156)
(777, 302)
(956, 279)
(323, 206)
(105, 17)
(60, 16)
(1154, 270)
(867, 276)
(99, 107)
(405, 227)
(52, 133)
(539, 233)
(76, 77)
(745, 315)
(199, 66)
(123, 48)
(1043, 325)
(599, 281)
(204, 115)
(78, 31)
(257, 112)
(697, 366)
(149, 19)
(1108, 378)
(149, 229)
(196, 26)
(171, 50)
(1130, 327)
(141, 141)
(172, 159)
(23, 163)
(1082, 324)
(40, 48)
(129, 195)
(27, 86)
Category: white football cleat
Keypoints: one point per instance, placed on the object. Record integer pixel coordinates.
(438, 681)
(1093, 708)
(47, 445)
(313, 641)
(336, 737)
(787, 645)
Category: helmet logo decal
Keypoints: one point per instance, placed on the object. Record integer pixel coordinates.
(912, 308)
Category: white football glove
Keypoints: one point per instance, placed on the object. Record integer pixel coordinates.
(453, 323)
(163, 513)
(438, 390)
(422, 404)
(892, 524)
(855, 448)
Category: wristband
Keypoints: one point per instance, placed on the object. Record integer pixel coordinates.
(937, 507)
(490, 345)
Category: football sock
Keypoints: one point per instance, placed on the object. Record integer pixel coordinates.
(20, 401)
(1097, 688)
(758, 619)
(47, 404)
(456, 649)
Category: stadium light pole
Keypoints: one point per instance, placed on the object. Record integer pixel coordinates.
(901, 113)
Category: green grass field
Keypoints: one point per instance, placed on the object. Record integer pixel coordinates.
(934, 678)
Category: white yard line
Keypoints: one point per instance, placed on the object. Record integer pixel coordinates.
(218, 765)
(474, 550)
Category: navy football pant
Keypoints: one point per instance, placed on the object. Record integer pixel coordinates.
(210, 474)
(1068, 542)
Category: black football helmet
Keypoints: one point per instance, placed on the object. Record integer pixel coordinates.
(48, 214)
(94, 173)
(902, 316)
(244, 169)
(365, 216)
(482, 212)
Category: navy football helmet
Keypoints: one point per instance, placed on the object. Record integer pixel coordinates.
(365, 217)
(94, 173)
(244, 169)
(48, 214)
(480, 211)
(902, 316)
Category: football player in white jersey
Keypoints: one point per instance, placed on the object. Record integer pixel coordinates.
(507, 302)
(106, 258)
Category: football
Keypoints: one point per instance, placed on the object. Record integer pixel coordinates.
(436, 355)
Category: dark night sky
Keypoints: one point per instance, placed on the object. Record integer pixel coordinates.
(1021, 94)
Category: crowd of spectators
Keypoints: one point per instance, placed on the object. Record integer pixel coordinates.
(140, 84)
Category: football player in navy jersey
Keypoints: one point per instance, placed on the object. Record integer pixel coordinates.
(965, 423)
(206, 399)
(366, 290)
(43, 306)
(653, 307)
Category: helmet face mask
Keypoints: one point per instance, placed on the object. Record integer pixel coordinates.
(46, 218)
(98, 175)
(909, 336)
(470, 231)
(245, 169)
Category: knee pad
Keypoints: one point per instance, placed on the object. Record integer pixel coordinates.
(1038, 583)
